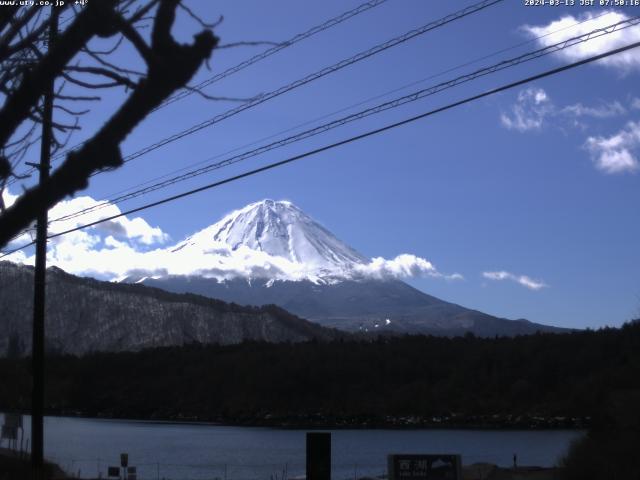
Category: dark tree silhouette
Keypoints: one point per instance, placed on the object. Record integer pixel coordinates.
(28, 65)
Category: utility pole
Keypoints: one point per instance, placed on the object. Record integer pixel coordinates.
(37, 352)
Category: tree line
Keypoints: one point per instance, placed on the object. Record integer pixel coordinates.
(522, 381)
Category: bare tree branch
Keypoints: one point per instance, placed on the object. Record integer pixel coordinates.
(112, 49)
(6, 15)
(82, 83)
(125, 71)
(136, 39)
(68, 44)
(199, 20)
(14, 30)
(78, 98)
(63, 127)
(170, 66)
(120, 79)
(139, 15)
(8, 50)
(75, 113)
(21, 139)
(222, 99)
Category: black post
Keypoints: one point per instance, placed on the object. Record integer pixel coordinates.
(319, 456)
(37, 355)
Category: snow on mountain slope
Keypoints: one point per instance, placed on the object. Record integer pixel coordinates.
(272, 241)
(275, 240)
(278, 229)
(266, 240)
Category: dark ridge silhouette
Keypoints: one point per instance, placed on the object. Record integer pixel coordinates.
(533, 381)
(85, 314)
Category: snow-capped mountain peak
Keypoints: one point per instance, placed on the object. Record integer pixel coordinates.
(267, 241)
(275, 240)
(281, 230)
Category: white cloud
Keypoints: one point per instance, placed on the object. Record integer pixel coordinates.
(9, 199)
(87, 251)
(605, 110)
(403, 266)
(523, 280)
(16, 257)
(617, 153)
(534, 108)
(22, 239)
(569, 26)
(529, 111)
(136, 229)
(131, 247)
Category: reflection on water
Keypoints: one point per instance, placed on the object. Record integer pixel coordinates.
(187, 451)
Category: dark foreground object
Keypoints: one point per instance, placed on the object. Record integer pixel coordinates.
(536, 381)
(485, 471)
(15, 467)
(318, 456)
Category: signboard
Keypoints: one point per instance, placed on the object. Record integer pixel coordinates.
(124, 459)
(113, 472)
(425, 467)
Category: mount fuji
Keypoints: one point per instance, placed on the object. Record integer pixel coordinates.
(283, 240)
(271, 252)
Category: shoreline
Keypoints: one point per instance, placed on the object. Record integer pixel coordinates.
(322, 422)
(12, 463)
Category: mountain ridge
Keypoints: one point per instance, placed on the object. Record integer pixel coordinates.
(85, 314)
(328, 281)
(350, 305)
(283, 241)
(267, 253)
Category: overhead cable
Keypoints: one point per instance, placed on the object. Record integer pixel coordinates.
(340, 143)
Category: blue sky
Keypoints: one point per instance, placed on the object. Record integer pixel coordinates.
(531, 195)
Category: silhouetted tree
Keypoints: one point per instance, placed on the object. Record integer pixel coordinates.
(609, 448)
(499, 382)
(28, 65)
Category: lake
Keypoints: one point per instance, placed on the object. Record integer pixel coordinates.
(195, 451)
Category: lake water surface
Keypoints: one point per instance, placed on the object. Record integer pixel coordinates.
(193, 451)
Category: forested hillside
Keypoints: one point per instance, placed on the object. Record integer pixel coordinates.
(527, 381)
(87, 315)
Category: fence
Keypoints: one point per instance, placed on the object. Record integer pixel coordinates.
(97, 468)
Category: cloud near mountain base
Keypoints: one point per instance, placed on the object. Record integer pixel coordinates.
(403, 266)
(132, 248)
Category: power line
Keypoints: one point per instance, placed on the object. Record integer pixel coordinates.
(420, 94)
(344, 109)
(275, 49)
(306, 34)
(105, 203)
(309, 78)
(250, 61)
(340, 143)
(315, 76)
